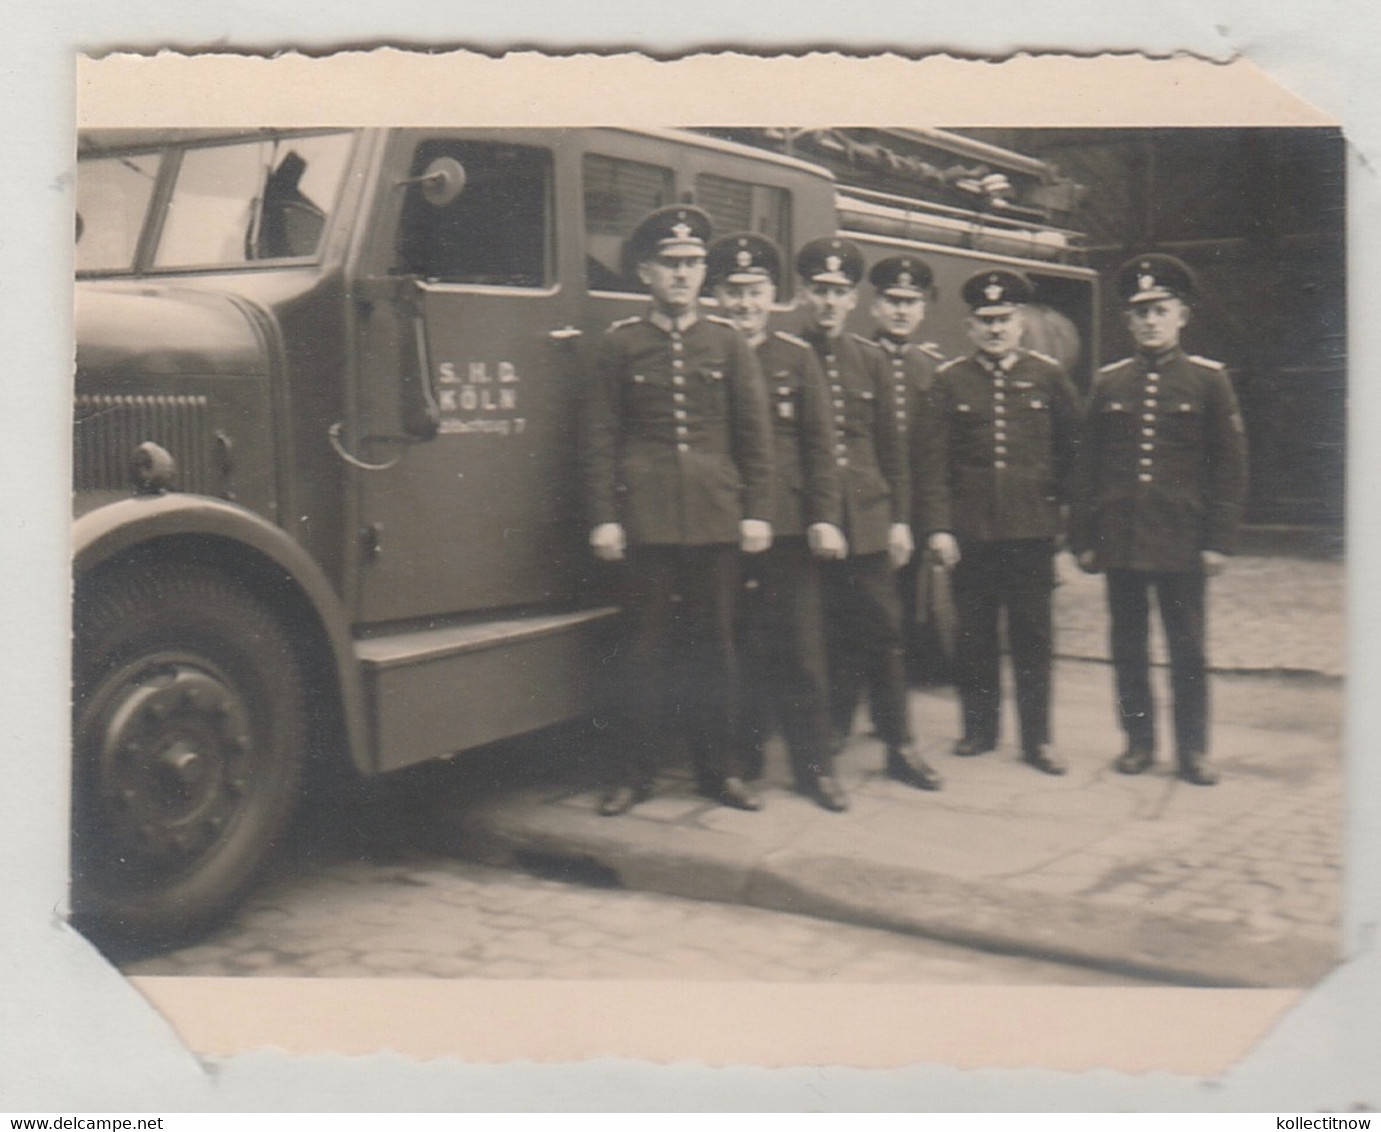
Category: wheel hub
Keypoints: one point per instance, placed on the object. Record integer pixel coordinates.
(171, 759)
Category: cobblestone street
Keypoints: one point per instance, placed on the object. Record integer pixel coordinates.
(450, 919)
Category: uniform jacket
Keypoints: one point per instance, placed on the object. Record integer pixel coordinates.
(805, 476)
(1008, 436)
(677, 445)
(913, 366)
(868, 450)
(1163, 464)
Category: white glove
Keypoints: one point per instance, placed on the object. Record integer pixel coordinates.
(899, 545)
(754, 535)
(942, 544)
(827, 541)
(1215, 561)
(608, 542)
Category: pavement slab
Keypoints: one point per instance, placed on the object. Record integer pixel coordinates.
(1235, 885)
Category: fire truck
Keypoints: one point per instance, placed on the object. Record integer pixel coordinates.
(324, 446)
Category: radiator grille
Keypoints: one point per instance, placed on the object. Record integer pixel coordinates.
(107, 430)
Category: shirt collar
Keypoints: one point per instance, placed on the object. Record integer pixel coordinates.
(1155, 359)
(665, 322)
(889, 343)
(1000, 366)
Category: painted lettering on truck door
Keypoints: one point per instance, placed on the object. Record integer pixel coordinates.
(478, 518)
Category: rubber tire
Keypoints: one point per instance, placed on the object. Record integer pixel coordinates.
(209, 631)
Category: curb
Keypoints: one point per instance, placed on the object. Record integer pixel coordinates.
(522, 831)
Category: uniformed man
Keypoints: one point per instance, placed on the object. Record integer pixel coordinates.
(782, 636)
(677, 462)
(862, 610)
(1162, 478)
(1010, 419)
(903, 285)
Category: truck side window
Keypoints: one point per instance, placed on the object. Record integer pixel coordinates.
(740, 206)
(497, 233)
(112, 201)
(235, 204)
(618, 194)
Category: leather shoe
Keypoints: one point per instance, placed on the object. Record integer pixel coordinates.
(732, 792)
(1134, 760)
(1195, 768)
(620, 799)
(1044, 760)
(971, 745)
(905, 765)
(828, 794)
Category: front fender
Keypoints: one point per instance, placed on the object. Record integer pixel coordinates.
(105, 531)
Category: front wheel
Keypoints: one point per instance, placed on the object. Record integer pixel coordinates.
(188, 734)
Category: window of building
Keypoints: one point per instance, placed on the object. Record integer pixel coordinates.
(251, 201)
(618, 194)
(498, 232)
(112, 202)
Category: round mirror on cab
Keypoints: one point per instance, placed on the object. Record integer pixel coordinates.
(443, 181)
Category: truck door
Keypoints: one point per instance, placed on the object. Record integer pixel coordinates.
(481, 517)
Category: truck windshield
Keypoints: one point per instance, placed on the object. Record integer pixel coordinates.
(250, 201)
(112, 201)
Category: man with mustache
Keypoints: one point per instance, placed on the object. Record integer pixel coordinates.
(1010, 423)
(677, 464)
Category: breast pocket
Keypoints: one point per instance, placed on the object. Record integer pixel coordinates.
(786, 397)
(1182, 423)
(1035, 411)
(648, 394)
(711, 390)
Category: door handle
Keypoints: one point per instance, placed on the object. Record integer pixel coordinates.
(565, 334)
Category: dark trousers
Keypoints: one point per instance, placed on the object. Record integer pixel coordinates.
(679, 671)
(782, 659)
(1181, 600)
(1016, 575)
(863, 635)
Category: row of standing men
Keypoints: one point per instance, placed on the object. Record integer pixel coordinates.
(714, 449)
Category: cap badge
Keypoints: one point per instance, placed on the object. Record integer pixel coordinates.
(904, 279)
(681, 231)
(992, 292)
(1145, 282)
(744, 258)
(833, 263)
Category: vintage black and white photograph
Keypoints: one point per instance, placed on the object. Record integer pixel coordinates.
(821, 555)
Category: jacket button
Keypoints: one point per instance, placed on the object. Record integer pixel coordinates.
(1148, 417)
(1001, 450)
(1150, 402)
(678, 380)
(842, 461)
(999, 463)
(1146, 461)
(1145, 477)
(1148, 447)
(1148, 432)
(679, 398)
(680, 414)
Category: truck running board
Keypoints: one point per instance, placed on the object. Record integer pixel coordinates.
(436, 691)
